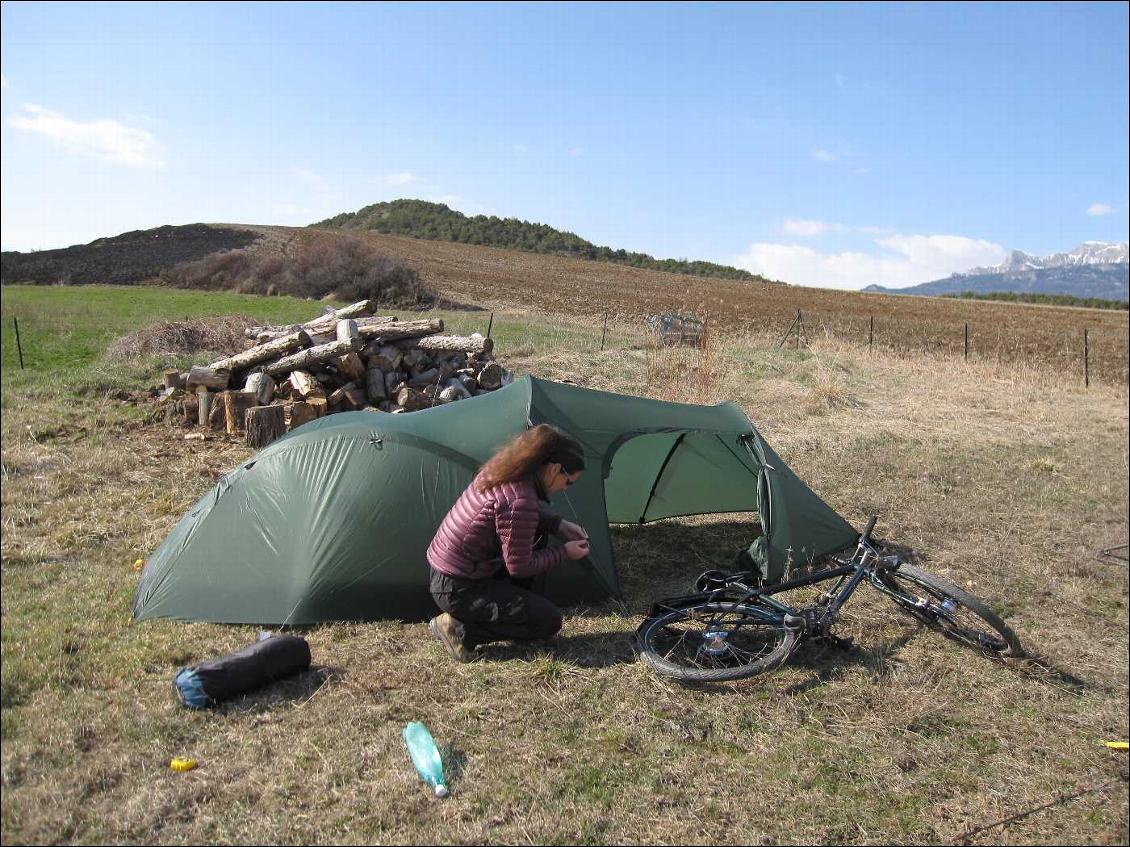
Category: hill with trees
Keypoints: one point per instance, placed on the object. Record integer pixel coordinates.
(438, 222)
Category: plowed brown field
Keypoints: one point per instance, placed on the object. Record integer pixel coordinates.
(1034, 335)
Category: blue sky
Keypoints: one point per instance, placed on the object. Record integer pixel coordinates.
(834, 145)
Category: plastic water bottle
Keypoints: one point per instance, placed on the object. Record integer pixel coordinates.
(425, 756)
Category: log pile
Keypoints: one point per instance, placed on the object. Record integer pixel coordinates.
(347, 360)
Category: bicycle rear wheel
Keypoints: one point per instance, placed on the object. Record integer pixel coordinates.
(957, 613)
(714, 642)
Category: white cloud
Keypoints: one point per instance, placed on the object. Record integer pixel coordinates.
(1097, 209)
(576, 152)
(3, 81)
(897, 261)
(823, 155)
(800, 226)
(840, 80)
(104, 139)
(402, 178)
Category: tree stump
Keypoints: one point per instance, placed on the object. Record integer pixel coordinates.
(263, 424)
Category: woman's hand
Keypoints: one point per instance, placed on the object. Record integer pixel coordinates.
(569, 531)
(577, 549)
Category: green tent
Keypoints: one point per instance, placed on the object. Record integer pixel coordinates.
(332, 521)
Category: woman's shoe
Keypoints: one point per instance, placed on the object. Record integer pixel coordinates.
(445, 629)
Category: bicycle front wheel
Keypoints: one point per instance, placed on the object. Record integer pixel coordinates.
(714, 642)
(957, 613)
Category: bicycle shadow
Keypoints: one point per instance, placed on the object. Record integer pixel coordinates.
(831, 662)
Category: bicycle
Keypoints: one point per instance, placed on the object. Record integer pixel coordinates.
(732, 629)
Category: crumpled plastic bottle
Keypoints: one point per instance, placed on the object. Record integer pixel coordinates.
(425, 756)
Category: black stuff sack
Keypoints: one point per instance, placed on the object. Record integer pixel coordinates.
(244, 670)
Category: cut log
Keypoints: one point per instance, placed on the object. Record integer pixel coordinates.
(320, 405)
(174, 379)
(217, 380)
(474, 343)
(304, 384)
(490, 377)
(322, 323)
(217, 415)
(312, 356)
(375, 321)
(298, 414)
(347, 329)
(236, 404)
(393, 383)
(261, 334)
(425, 378)
(264, 352)
(337, 398)
(263, 424)
(351, 366)
(449, 395)
(456, 385)
(375, 385)
(409, 399)
(356, 398)
(203, 405)
(262, 386)
(401, 330)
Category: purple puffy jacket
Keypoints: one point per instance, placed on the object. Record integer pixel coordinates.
(486, 530)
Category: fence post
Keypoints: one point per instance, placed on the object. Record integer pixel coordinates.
(490, 324)
(967, 341)
(19, 346)
(603, 332)
(798, 319)
(871, 334)
(1086, 359)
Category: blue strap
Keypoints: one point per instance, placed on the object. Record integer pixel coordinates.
(191, 689)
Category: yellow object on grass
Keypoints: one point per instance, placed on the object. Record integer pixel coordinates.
(1116, 745)
(181, 765)
(138, 564)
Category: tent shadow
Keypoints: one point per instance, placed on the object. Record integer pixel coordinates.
(295, 689)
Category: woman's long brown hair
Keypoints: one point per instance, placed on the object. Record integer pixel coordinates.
(524, 454)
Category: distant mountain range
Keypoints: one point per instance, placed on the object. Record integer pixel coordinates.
(1094, 269)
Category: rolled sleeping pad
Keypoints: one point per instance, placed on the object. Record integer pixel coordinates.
(244, 670)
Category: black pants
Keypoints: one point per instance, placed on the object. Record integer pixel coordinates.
(499, 609)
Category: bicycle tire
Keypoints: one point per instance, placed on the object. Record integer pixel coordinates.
(665, 650)
(1001, 643)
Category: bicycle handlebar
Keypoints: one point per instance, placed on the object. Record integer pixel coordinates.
(866, 537)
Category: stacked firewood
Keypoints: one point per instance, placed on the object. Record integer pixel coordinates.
(346, 360)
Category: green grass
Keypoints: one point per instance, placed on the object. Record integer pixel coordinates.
(1006, 485)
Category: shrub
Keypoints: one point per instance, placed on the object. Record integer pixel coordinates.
(345, 267)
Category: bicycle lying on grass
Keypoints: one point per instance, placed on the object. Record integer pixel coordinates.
(730, 629)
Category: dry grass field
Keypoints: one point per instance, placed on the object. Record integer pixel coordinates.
(904, 324)
(1004, 475)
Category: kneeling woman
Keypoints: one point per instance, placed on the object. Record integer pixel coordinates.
(483, 556)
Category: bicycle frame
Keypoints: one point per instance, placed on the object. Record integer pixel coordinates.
(850, 572)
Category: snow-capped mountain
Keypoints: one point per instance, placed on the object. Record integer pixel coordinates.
(1093, 269)
(1087, 253)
